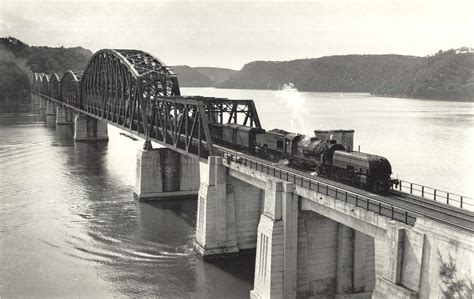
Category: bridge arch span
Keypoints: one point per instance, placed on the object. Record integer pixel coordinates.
(36, 83)
(54, 86)
(45, 84)
(119, 85)
(71, 89)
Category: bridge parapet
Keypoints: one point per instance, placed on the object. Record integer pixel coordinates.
(445, 197)
(307, 184)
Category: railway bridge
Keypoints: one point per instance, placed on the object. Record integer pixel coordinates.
(311, 237)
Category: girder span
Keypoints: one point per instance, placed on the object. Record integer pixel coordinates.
(71, 89)
(118, 84)
(54, 88)
(136, 91)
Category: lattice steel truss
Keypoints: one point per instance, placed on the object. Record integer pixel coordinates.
(54, 88)
(45, 84)
(71, 89)
(117, 86)
(183, 122)
(136, 91)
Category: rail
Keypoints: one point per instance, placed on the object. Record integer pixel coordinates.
(445, 197)
(369, 204)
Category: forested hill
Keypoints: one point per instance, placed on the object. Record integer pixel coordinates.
(348, 73)
(447, 75)
(18, 61)
(202, 76)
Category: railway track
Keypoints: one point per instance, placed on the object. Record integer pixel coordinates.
(434, 209)
(444, 213)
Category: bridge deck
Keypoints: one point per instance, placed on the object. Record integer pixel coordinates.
(416, 206)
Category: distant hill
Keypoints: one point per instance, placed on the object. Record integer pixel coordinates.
(445, 75)
(348, 73)
(201, 76)
(448, 75)
(216, 74)
(190, 77)
(18, 61)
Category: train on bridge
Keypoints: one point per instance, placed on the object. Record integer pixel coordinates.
(324, 157)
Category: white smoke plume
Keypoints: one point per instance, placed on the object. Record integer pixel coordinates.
(295, 103)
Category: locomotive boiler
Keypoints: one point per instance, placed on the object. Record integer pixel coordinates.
(325, 156)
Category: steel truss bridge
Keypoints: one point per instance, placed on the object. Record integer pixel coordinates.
(135, 91)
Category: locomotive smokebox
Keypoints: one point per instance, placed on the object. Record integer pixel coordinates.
(344, 137)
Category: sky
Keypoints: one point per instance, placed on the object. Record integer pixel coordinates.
(232, 33)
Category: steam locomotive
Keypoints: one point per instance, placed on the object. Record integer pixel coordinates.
(326, 157)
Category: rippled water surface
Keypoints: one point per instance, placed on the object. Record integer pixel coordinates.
(69, 225)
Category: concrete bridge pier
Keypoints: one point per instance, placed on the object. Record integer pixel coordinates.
(50, 108)
(402, 270)
(50, 113)
(277, 244)
(42, 106)
(215, 231)
(36, 99)
(164, 173)
(64, 116)
(88, 128)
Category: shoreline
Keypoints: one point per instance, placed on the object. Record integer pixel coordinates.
(364, 92)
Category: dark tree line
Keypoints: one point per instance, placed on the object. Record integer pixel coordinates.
(18, 61)
(446, 75)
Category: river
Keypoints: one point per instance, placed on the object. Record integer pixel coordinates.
(70, 226)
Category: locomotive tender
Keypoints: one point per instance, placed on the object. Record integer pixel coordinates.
(324, 156)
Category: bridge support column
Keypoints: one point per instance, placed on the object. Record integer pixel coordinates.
(215, 232)
(42, 105)
(87, 128)
(50, 108)
(64, 116)
(402, 269)
(37, 99)
(164, 173)
(276, 256)
(345, 260)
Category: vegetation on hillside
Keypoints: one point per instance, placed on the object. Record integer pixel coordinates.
(18, 62)
(216, 74)
(201, 76)
(446, 75)
(348, 73)
(190, 77)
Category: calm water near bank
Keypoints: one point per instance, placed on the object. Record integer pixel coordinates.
(69, 225)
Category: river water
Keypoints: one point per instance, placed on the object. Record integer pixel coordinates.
(70, 226)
